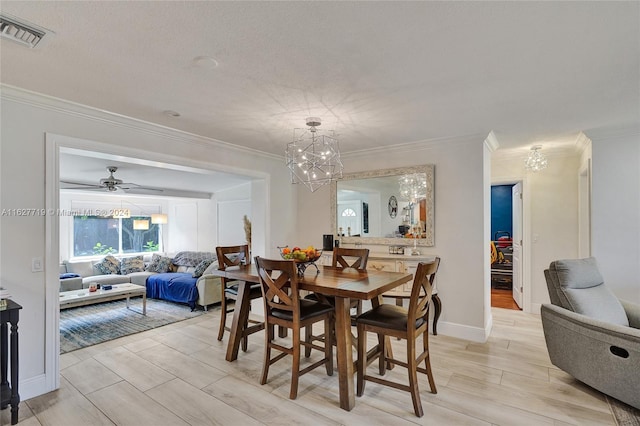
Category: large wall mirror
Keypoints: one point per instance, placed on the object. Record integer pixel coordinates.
(374, 207)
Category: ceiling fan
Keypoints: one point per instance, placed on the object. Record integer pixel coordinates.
(110, 183)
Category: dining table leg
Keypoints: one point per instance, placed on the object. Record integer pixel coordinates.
(240, 316)
(344, 355)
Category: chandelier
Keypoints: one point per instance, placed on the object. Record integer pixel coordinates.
(313, 156)
(413, 187)
(536, 160)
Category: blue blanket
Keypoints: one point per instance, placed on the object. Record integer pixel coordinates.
(173, 286)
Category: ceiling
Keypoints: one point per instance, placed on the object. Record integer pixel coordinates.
(378, 73)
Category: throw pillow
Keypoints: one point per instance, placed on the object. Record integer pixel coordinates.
(109, 265)
(201, 267)
(160, 264)
(131, 264)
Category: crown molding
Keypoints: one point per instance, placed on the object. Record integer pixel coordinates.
(492, 142)
(582, 142)
(62, 106)
(415, 146)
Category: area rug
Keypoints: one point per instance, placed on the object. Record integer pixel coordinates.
(89, 325)
(625, 415)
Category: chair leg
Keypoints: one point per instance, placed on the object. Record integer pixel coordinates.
(362, 362)
(382, 348)
(223, 317)
(245, 338)
(308, 332)
(427, 361)
(268, 336)
(437, 304)
(295, 368)
(328, 345)
(413, 376)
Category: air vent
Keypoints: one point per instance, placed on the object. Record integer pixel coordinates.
(20, 32)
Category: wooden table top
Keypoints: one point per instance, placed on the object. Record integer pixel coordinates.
(349, 283)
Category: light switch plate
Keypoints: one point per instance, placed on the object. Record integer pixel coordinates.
(36, 264)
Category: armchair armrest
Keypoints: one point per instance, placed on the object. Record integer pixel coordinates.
(633, 313)
(208, 289)
(605, 356)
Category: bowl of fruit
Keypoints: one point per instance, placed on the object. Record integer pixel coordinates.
(302, 257)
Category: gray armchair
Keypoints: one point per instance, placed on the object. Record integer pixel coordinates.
(591, 334)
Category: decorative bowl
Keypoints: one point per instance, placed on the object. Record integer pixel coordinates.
(302, 257)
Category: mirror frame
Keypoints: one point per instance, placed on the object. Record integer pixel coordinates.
(428, 241)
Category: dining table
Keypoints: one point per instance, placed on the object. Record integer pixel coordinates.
(343, 284)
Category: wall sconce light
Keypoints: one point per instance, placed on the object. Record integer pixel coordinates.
(140, 224)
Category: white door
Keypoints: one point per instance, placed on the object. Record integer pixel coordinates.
(516, 206)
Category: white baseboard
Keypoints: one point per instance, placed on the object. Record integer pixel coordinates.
(32, 387)
(474, 334)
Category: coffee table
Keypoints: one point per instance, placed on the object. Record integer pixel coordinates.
(73, 298)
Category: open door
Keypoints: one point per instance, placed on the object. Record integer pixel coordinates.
(516, 206)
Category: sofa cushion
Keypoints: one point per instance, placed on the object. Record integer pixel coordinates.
(131, 264)
(106, 279)
(192, 258)
(160, 264)
(580, 288)
(140, 278)
(108, 265)
(201, 267)
(84, 268)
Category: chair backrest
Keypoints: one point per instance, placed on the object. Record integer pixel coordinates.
(577, 285)
(421, 292)
(279, 279)
(232, 256)
(350, 258)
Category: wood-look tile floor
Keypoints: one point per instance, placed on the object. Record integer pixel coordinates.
(177, 375)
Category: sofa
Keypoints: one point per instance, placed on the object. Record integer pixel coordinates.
(203, 289)
(590, 333)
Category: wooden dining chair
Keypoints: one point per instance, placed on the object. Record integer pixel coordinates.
(284, 307)
(392, 320)
(437, 303)
(347, 258)
(234, 256)
(344, 258)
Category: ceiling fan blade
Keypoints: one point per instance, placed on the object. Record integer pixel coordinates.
(127, 187)
(79, 185)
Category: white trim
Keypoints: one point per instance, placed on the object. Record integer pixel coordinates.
(492, 142)
(32, 387)
(52, 265)
(459, 331)
(413, 146)
(53, 145)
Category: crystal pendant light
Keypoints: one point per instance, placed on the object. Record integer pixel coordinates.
(536, 160)
(313, 157)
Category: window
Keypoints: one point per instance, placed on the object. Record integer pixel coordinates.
(96, 235)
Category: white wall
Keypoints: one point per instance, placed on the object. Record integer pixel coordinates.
(616, 210)
(459, 223)
(551, 214)
(25, 122)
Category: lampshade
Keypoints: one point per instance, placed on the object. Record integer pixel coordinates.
(159, 218)
(536, 160)
(140, 224)
(313, 157)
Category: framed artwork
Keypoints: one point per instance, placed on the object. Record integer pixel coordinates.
(393, 207)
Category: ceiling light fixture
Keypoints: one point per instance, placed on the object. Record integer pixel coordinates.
(536, 160)
(313, 157)
(170, 113)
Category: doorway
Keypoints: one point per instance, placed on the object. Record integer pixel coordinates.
(506, 246)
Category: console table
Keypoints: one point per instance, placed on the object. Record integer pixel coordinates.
(9, 388)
